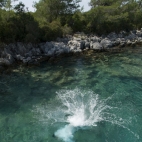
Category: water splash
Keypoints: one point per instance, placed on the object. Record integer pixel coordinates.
(81, 109)
(66, 133)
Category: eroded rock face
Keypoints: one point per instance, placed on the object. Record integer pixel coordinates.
(5, 62)
(32, 54)
(106, 43)
(97, 46)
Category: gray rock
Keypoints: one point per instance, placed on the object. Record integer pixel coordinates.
(72, 48)
(29, 46)
(10, 58)
(76, 44)
(7, 51)
(64, 40)
(112, 36)
(115, 43)
(29, 54)
(128, 42)
(139, 39)
(139, 33)
(46, 47)
(133, 44)
(21, 49)
(60, 51)
(38, 52)
(4, 62)
(95, 39)
(106, 43)
(77, 50)
(82, 45)
(122, 34)
(131, 37)
(66, 49)
(12, 49)
(19, 57)
(33, 51)
(87, 45)
(97, 46)
(33, 62)
(122, 44)
(77, 38)
(51, 52)
(27, 60)
(73, 42)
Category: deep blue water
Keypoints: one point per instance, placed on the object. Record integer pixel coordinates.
(99, 95)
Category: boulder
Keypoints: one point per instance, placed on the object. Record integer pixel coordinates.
(46, 47)
(116, 42)
(77, 38)
(21, 48)
(131, 37)
(73, 42)
(122, 44)
(122, 34)
(128, 42)
(51, 52)
(29, 54)
(5, 62)
(112, 36)
(73, 48)
(33, 62)
(27, 60)
(19, 57)
(29, 46)
(66, 49)
(87, 45)
(7, 51)
(10, 58)
(38, 52)
(33, 51)
(106, 43)
(97, 46)
(77, 44)
(139, 39)
(82, 45)
(95, 39)
(139, 33)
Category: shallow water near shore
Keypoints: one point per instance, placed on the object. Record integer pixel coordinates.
(82, 98)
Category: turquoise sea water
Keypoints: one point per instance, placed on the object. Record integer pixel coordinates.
(82, 98)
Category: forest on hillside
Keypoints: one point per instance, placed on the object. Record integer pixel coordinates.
(58, 18)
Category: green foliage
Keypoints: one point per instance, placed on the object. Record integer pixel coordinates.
(66, 30)
(114, 15)
(20, 26)
(58, 18)
(53, 9)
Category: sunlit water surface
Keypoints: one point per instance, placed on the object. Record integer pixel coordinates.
(82, 98)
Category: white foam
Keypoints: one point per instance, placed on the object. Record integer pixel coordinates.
(80, 109)
(83, 109)
(65, 133)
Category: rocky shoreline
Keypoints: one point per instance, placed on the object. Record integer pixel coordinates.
(30, 54)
